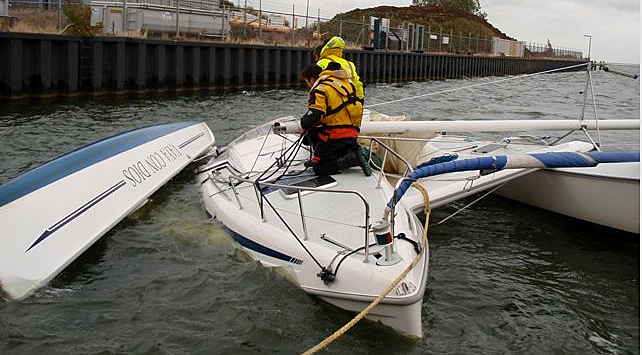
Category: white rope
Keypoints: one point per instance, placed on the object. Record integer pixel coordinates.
(474, 85)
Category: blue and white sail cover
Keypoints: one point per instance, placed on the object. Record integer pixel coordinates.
(51, 214)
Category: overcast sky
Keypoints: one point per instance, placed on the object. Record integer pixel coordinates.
(613, 24)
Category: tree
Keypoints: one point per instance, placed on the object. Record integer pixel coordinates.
(467, 6)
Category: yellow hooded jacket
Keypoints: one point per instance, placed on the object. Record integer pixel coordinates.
(333, 52)
(334, 95)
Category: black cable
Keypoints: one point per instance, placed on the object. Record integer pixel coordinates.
(416, 245)
(289, 159)
(276, 162)
(347, 255)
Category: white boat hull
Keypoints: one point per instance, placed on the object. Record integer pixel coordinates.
(608, 195)
(404, 318)
(275, 247)
(52, 214)
(328, 228)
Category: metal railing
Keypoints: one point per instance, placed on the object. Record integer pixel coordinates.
(259, 196)
(257, 185)
(266, 24)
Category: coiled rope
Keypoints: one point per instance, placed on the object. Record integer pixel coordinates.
(424, 241)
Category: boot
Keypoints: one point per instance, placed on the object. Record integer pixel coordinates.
(351, 159)
(362, 156)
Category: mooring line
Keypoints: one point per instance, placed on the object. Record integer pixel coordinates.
(424, 241)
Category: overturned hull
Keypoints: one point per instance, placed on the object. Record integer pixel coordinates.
(53, 213)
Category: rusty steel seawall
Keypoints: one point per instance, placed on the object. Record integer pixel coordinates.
(36, 65)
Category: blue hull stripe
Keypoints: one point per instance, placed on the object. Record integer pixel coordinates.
(81, 158)
(250, 244)
(73, 215)
(182, 145)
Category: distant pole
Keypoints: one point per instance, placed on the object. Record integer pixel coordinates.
(223, 22)
(588, 79)
(307, 7)
(375, 32)
(260, 19)
(124, 16)
(319, 22)
(59, 13)
(244, 18)
(386, 37)
(363, 31)
(468, 49)
(292, 35)
(589, 50)
(177, 11)
(429, 39)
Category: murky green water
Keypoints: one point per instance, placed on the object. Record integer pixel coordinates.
(504, 278)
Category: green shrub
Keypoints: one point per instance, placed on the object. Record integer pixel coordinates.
(78, 18)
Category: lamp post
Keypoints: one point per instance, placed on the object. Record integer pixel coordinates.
(589, 51)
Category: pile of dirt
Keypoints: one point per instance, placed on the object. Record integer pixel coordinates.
(437, 19)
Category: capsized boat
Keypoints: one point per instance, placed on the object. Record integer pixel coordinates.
(51, 214)
(344, 238)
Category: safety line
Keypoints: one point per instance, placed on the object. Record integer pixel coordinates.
(474, 85)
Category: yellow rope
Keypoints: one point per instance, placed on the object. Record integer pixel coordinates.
(327, 341)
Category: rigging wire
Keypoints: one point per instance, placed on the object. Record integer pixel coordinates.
(291, 231)
(279, 161)
(597, 126)
(474, 85)
(468, 205)
(260, 149)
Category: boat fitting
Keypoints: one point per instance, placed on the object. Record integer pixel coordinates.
(384, 238)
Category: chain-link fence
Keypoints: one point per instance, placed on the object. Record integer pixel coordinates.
(271, 23)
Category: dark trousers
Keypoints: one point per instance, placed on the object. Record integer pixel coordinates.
(329, 152)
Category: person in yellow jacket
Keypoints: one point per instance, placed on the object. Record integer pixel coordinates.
(332, 51)
(332, 121)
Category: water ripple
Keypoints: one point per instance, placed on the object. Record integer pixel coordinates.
(504, 278)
